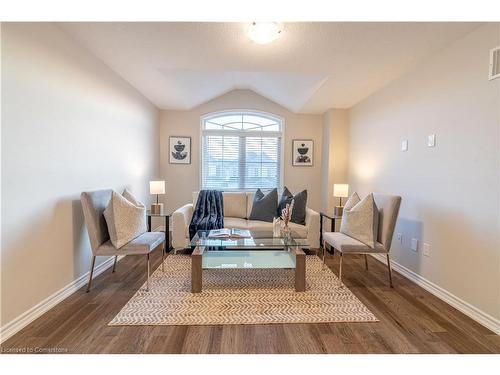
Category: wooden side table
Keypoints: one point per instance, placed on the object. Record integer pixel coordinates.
(166, 215)
(333, 218)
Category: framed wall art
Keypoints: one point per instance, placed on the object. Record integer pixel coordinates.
(302, 152)
(180, 150)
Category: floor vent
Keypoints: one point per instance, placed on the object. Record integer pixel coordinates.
(494, 63)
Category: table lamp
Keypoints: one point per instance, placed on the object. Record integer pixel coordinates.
(156, 187)
(340, 191)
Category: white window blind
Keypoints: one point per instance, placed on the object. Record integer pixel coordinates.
(241, 151)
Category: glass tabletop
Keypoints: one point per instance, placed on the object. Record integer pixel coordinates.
(259, 240)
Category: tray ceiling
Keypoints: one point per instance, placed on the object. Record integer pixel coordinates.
(312, 66)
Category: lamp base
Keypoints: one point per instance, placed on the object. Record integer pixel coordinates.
(156, 208)
(338, 210)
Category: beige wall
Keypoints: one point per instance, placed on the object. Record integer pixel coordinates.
(450, 192)
(69, 124)
(335, 154)
(183, 179)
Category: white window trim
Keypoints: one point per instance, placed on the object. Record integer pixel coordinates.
(256, 112)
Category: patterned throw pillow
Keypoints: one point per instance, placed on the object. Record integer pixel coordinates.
(126, 219)
(264, 206)
(360, 220)
(299, 205)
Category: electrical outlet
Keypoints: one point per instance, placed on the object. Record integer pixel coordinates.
(414, 244)
(431, 140)
(427, 250)
(404, 145)
(399, 237)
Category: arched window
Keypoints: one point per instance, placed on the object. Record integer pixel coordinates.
(241, 150)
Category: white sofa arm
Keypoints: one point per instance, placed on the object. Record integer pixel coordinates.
(312, 224)
(181, 218)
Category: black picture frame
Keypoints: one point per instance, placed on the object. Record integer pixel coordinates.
(302, 153)
(179, 149)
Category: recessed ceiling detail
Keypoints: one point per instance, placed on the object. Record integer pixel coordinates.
(190, 88)
(311, 67)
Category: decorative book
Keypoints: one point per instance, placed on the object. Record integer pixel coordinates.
(229, 233)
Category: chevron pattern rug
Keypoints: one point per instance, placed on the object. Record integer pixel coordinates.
(242, 296)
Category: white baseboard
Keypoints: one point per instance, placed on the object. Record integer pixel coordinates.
(15, 325)
(473, 312)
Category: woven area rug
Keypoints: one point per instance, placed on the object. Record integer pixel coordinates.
(242, 296)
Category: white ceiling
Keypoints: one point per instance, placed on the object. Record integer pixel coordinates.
(312, 67)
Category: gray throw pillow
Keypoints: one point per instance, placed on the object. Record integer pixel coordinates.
(361, 221)
(299, 205)
(264, 206)
(126, 220)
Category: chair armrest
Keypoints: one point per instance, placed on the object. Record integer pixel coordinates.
(181, 218)
(312, 224)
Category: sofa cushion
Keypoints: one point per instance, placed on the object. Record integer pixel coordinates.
(250, 195)
(346, 244)
(300, 230)
(235, 204)
(235, 222)
(125, 220)
(229, 222)
(260, 226)
(299, 205)
(361, 221)
(264, 206)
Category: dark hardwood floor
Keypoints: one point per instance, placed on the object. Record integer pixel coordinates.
(411, 321)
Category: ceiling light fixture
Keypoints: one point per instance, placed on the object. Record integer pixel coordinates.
(264, 32)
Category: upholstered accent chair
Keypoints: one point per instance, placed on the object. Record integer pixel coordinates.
(94, 203)
(388, 207)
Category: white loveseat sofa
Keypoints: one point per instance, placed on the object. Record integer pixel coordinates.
(237, 208)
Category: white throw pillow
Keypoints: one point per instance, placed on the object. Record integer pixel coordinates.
(127, 194)
(360, 221)
(352, 201)
(126, 220)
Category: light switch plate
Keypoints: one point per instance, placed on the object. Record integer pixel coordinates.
(399, 237)
(404, 145)
(414, 244)
(431, 140)
(427, 250)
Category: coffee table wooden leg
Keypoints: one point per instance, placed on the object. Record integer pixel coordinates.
(300, 270)
(196, 269)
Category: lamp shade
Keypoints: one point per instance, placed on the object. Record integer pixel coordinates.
(157, 187)
(341, 190)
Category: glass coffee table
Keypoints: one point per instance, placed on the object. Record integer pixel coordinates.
(261, 250)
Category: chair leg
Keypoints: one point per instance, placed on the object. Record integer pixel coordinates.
(114, 264)
(324, 253)
(91, 273)
(340, 267)
(389, 269)
(163, 259)
(147, 281)
(366, 262)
